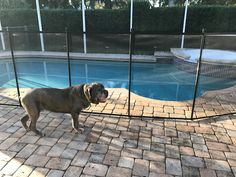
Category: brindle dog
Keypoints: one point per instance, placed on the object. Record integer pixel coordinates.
(69, 100)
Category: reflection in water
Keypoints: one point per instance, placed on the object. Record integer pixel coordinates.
(159, 81)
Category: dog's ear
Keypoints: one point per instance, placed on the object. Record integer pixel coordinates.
(93, 84)
(90, 87)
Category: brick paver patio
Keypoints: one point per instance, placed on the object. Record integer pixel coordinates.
(212, 103)
(117, 146)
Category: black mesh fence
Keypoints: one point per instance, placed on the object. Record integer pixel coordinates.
(218, 76)
(152, 75)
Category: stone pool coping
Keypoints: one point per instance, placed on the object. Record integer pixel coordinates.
(212, 103)
(76, 55)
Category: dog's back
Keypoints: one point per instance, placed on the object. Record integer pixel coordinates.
(52, 99)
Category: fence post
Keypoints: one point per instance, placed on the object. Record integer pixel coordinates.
(40, 26)
(184, 22)
(68, 55)
(84, 27)
(131, 45)
(131, 14)
(14, 66)
(203, 38)
(2, 38)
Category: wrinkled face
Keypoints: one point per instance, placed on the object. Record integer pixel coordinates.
(98, 93)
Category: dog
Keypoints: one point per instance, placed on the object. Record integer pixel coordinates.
(69, 100)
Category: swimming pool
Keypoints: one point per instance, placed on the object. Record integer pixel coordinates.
(152, 80)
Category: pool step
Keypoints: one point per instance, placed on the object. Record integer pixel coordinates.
(163, 56)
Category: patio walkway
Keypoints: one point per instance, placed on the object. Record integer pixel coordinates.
(115, 146)
(212, 103)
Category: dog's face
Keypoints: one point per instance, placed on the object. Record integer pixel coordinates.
(98, 93)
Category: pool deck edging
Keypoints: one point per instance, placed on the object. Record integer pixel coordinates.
(75, 55)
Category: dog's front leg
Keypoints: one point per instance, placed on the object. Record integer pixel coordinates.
(75, 122)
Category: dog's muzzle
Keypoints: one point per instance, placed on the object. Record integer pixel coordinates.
(103, 97)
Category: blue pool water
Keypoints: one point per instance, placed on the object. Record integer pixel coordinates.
(158, 81)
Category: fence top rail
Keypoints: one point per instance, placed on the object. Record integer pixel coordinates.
(220, 34)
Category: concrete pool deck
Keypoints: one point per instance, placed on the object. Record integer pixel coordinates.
(212, 103)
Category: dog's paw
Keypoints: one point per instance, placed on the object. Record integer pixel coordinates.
(78, 130)
(39, 133)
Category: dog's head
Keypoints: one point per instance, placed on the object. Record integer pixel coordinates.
(98, 94)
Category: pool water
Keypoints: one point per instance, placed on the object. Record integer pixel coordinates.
(152, 80)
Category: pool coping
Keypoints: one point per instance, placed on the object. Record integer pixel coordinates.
(76, 55)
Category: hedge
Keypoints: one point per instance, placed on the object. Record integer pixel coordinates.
(157, 20)
(16, 17)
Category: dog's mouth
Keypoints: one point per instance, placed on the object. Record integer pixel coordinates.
(102, 100)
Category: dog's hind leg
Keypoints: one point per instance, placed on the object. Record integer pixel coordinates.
(24, 122)
(32, 126)
(34, 117)
(33, 114)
